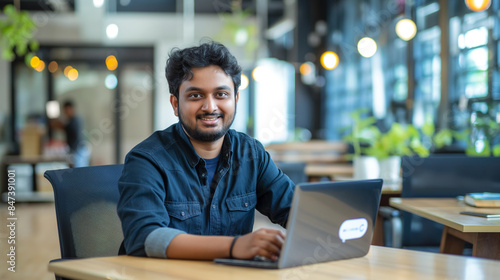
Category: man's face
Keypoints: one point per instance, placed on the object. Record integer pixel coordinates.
(69, 111)
(207, 104)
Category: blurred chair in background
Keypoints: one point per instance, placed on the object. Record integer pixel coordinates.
(85, 204)
(294, 170)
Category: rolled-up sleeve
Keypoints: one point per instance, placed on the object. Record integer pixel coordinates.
(141, 207)
(158, 240)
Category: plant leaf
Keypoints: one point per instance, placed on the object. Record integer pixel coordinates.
(496, 150)
(9, 10)
(34, 45)
(8, 54)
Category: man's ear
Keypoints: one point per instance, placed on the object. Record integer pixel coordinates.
(237, 97)
(175, 104)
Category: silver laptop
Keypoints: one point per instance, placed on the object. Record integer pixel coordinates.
(328, 221)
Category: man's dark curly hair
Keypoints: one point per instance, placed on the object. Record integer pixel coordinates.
(181, 61)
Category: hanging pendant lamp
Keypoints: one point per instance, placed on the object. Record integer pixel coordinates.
(478, 5)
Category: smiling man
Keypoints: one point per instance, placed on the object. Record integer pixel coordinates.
(190, 191)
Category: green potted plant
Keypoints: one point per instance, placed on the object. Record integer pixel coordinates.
(389, 147)
(362, 134)
(478, 138)
(437, 140)
(483, 131)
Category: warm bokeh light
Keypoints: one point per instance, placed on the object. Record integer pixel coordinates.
(53, 66)
(406, 29)
(329, 60)
(478, 5)
(67, 69)
(244, 82)
(258, 73)
(308, 73)
(111, 62)
(34, 61)
(73, 74)
(367, 47)
(305, 68)
(40, 66)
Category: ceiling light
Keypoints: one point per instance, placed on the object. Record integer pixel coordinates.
(406, 29)
(111, 81)
(98, 3)
(367, 47)
(112, 31)
(329, 60)
(478, 5)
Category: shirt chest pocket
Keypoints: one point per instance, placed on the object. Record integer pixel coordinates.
(185, 216)
(241, 210)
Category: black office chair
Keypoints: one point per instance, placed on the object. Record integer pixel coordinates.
(85, 204)
(441, 176)
(296, 171)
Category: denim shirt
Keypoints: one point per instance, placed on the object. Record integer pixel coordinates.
(164, 191)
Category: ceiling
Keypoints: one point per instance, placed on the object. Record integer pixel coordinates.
(152, 6)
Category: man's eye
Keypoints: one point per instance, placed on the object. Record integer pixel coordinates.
(222, 94)
(194, 95)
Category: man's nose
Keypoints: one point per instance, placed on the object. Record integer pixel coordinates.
(210, 104)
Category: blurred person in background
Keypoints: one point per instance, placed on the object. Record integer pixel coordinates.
(73, 128)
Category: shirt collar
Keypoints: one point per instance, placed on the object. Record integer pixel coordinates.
(193, 157)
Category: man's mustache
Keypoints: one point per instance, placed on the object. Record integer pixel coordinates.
(210, 115)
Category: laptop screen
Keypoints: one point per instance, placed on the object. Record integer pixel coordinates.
(331, 221)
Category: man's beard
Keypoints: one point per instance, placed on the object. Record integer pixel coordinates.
(201, 136)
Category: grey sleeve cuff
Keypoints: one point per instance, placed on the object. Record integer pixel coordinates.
(158, 240)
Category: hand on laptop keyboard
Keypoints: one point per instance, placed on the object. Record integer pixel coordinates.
(262, 259)
(263, 242)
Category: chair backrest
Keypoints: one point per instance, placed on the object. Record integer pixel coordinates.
(85, 202)
(443, 176)
(296, 171)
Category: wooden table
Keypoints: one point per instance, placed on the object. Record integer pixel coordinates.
(380, 263)
(315, 172)
(482, 233)
(33, 196)
(313, 151)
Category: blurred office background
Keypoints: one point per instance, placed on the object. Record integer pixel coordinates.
(305, 68)
(307, 65)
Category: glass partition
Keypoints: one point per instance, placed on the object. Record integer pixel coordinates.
(136, 88)
(94, 103)
(31, 89)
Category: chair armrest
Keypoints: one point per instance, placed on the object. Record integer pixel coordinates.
(393, 216)
(388, 212)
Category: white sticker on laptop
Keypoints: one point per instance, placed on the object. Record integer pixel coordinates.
(353, 229)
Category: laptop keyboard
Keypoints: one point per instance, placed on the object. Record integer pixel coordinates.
(263, 259)
(259, 262)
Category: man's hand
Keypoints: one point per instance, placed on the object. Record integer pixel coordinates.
(263, 242)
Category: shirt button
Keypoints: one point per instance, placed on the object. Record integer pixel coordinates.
(203, 175)
(183, 214)
(246, 204)
(213, 206)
